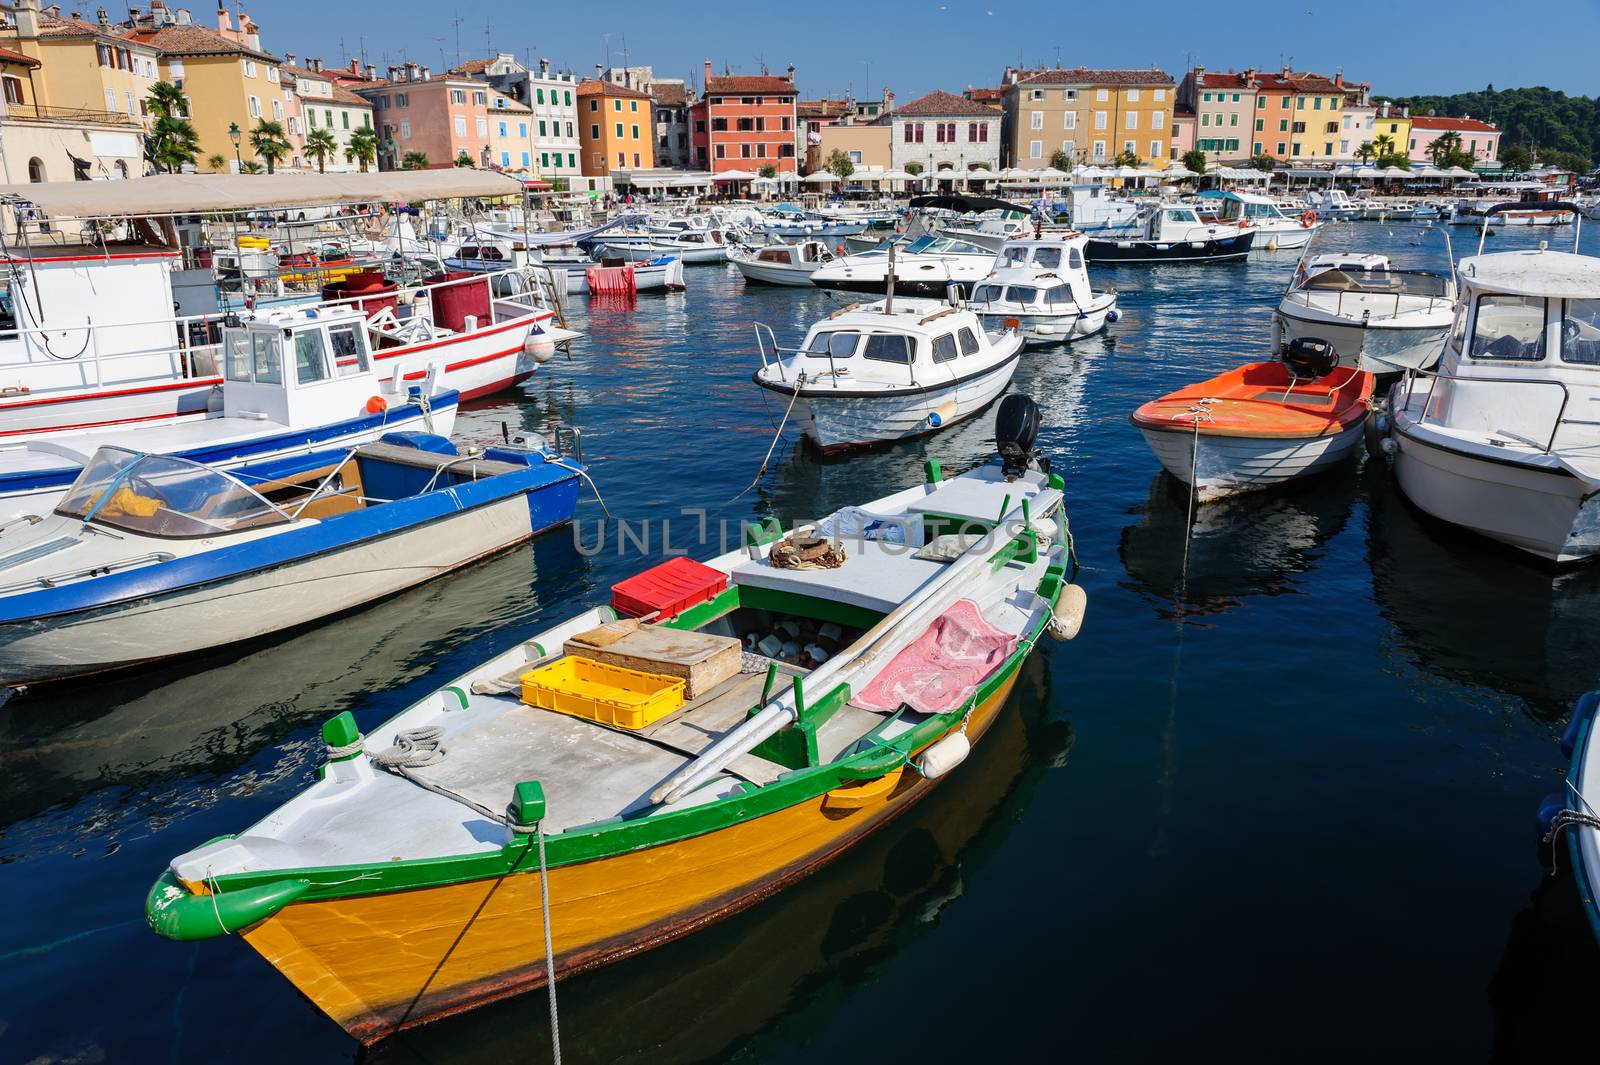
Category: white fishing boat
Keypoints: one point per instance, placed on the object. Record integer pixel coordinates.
(1501, 440)
(1275, 231)
(1170, 233)
(1041, 284)
(690, 242)
(891, 370)
(151, 556)
(782, 263)
(1333, 204)
(923, 266)
(571, 272)
(295, 380)
(1383, 316)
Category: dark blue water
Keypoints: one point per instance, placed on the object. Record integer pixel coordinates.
(1278, 807)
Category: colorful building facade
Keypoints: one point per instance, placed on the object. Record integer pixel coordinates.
(745, 122)
(615, 128)
(944, 132)
(1477, 136)
(1091, 115)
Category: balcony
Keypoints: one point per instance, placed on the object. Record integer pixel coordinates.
(39, 113)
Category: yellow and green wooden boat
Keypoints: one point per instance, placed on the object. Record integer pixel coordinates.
(817, 698)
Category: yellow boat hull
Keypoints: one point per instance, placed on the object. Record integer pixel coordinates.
(381, 963)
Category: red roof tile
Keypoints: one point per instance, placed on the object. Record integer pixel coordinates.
(1460, 125)
(1087, 76)
(17, 58)
(939, 102)
(749, 83)
(196, 40)
(591, 87)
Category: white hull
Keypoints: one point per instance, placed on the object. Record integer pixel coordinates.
(1380, 348)
(1282, 236)
(1538, 508)
(833, 424)
(1041, 329)
(777, 273)
(258, 603)
(698, 253)
(1229, 465)
(158, 403)
(658, 278)
(41, 501)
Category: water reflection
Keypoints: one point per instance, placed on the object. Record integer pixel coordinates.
(1548, 979)
(131, 736)
(1258, 544)
(705, 995)
(1473, 612)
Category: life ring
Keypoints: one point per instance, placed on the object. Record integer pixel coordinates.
(1308, 219)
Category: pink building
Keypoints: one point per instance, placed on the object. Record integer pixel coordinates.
(441, 117)
(1182, 132)
(1479, 138)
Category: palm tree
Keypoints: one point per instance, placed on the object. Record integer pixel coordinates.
(363, 147)
(463, 159)
(321, 146)
(269, 142)
(1445, 149)
(166, 100)
(218, 163)
(252, 167)
(1366, 151)
(1383, 144)
(414, 161)
(172, 141)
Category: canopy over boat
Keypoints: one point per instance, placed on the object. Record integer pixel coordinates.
(166, 194)
(967, 204)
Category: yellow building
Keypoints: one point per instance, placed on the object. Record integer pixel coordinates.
(1091, 115)
(616, 128)
(229, 79)
(866, 146)
(511, 135)
(1394, 123)
(1298, 116)
(84, 67)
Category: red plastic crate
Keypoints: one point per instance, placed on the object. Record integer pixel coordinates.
(670, 588)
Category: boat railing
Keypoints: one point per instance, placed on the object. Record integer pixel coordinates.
(1436, 376)
(198, 359)
(767, 344)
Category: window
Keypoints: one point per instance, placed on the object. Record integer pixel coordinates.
(482, 127)
(944, 347)
(572, 159)
(522, 129)
(1158, 120)
(913, 132)
(1069, 120)
(277, 109)
(616, 105)
(461, 125)
(1069, 94)
(594, 131)
(1099, 120)
(505, 158)
(1283, 103)
(1205, 118)
(1035, 149)
(1327, 147)
(272, 75)
(1036, 94)
(1155, 149)
(1130, 147)
(539, 95)
(1047, 258)
(401, 99)
(405, 130)
(480, 99)
(1099, 149)
(1580, 332)
(635, 158)
(1206, 98)
(969, 341)
(1299, 127)
(249, 68)
(1296, 147)
(622, 158)
(1071, 148)
(1280, 149)
(569, 98)
(1283, 125)
(832, 345)
(1316, 103)
(888, 347)
(525, 158)
(544, 160)
(310, 358)
(619, 131)
(13, 87)
(1133, 96)
(855, 157)
(1259, 124)
(978, 131)
(266, 358)
(344, 119)
(721, 154)
(349, 356)
(458, 96)
(502, 127)
(255, 106)
(594, 105)
(1101, 94)
(1509, 328)
(744, 151)
(633, 105)
(1133, 120)
(761, 150)
(1036, 120)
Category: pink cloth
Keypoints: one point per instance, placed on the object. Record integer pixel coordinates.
(937, 671)
(610, 280)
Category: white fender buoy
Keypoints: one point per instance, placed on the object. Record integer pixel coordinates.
(1066, 618)
(943, 414)
(944, 755)
(540, 347)
(1045, 527)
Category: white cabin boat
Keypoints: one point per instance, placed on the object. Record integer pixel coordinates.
(1380, 316)
(891, 370)
(1274, 229)
(782, 264)
(924, 266)
(1042, 285)
(991, 233)
(1502, 440)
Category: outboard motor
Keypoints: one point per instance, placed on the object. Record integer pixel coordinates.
(1308, 358)
(1016, 427)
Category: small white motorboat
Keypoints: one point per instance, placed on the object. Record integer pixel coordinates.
(891, 370)
(664, 273)
(1384, 316)
(1172, 234)
(689, 246)
(782, 264)
(1501, 439)
(1275, 231)
(1041, 284)
(921, 266)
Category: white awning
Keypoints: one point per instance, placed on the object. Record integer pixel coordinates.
(169, 194)
(820, 177)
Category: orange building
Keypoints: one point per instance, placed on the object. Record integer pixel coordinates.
(616, 128)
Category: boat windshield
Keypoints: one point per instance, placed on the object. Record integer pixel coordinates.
(158, 495)
(1408, 282)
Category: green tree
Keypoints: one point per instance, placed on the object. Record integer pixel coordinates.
(172, 141)
(1515, 157)
(1128, 159)
(913, 169)
(1061, 160)
(363, 147)
(1366, 152)
(321, 146)
(1574, 161)
(1383, 145)
(217, 163)
(414, 161)
(1194, 160)
(839, 165)
(252, 167)
(1266, 163)
(463, 159)
(270, 143)
(768, 171)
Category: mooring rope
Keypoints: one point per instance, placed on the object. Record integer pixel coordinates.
(1564, 820)
(537, 831)
(799, 382)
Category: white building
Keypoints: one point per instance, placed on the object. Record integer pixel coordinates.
(943, 131)
(549, 97)
(317, 102)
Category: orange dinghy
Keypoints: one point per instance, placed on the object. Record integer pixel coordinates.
(1262, 424)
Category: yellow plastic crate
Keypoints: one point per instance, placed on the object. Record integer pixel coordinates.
(612, 695)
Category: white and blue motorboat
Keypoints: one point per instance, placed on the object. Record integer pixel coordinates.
(1041, 285)
(151, 556)
(1576, 812)
(293, 381)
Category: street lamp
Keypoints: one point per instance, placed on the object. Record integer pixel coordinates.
(233, 135)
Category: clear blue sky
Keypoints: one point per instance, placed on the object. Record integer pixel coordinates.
(1400, 47)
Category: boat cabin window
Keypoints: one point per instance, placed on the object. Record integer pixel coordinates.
(1580, 332)
(987, 293)
(1057, 295)
(774, 255)
(922, 243)
(889, 347)
(1016, 256)
(349, 354)
(1049, 258)
(267, 357)
(969, 341)
(833, 345)
(1182, 215)
(310, 357)
(237, 363)
(944, 348)
(1023, 294)
(1075, 258)
(158, 495)
(1509, 328)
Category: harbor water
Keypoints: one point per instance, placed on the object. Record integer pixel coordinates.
(1276, 801)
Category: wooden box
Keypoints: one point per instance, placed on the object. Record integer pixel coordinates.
(702, 660)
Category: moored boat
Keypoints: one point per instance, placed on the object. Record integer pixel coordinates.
(1169, 234)
(150, 556)
(782, 264)
(1261, 424)
(1042, 284)
(401, 887)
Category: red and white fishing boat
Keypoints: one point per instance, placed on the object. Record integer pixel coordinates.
(1261, 424)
